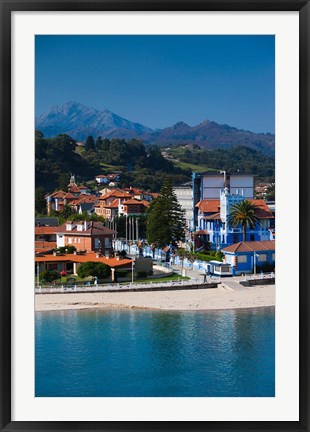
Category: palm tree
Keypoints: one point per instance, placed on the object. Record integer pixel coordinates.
(243, 214)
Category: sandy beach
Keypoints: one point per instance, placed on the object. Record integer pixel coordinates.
(222, 297)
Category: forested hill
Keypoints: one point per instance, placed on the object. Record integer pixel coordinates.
(58, 157)
(239, 159)
(140, 166)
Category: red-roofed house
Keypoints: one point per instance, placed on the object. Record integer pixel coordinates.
(109, 202)
(88, 236)
(132, 207)
(70, 262)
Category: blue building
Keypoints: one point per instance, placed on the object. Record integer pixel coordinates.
(250, 257)
(212, 225)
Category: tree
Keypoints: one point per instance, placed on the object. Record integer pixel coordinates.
(67, 211)
(165, 221)
(97, 269)
(90, 143)
(40, 202)
(243, 214)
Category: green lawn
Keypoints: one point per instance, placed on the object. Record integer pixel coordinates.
(193, 167)
(174, 277)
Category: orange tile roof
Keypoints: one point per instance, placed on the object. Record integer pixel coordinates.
(84, 199)
(262, 210)
(45, 230)
(208, 206)
(251, 246)
(74, 188)
(58, 194)
(118, 193)
(44, 245)
(69, 195)
(113, 204)
(112, 262)
(145, 203)
(133, 201)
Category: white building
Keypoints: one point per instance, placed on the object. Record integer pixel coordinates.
(184, 195)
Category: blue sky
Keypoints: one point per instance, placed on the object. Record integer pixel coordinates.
(160, 80)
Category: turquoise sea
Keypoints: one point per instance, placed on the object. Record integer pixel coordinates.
(153, 353)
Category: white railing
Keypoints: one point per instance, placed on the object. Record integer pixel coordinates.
(119, 287)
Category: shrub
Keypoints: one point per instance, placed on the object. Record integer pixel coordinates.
(49, 275)
(66, 249)
(219, 256)
(203, 257)
(141, 274)
(97, 269)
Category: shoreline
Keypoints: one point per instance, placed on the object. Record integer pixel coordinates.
(221, 298)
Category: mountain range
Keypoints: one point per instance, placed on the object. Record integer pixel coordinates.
(79, 121)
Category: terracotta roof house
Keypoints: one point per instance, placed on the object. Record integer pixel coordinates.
(107, 202)
(45, 234)
(250, 257)
(70, 262)
(132, 207)
(88, 236)
(108, 211)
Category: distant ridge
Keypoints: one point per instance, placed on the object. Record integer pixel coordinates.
(79, 121)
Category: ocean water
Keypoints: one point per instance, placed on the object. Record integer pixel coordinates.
(152, 353)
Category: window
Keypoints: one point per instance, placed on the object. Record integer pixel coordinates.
(225, 269)
(252, 237)
(273, 257)
(52, 266)
(242, 258)
(69, 240)
(235, 238)
(262, 258)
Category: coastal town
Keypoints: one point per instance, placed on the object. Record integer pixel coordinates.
(155, 219)
(222, 260)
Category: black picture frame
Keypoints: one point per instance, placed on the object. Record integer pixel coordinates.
(7, 7)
